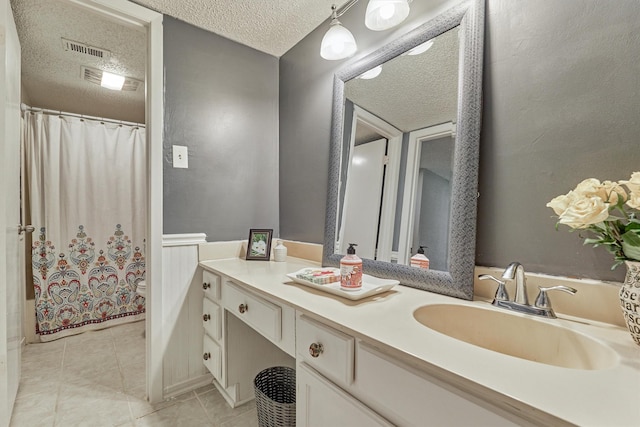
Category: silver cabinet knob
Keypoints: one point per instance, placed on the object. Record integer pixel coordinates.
(206, 286)
(243, 308)
(206, 317)
(206, 356)
(316, 349)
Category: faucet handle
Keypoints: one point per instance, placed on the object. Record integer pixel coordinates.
(501, 292)
(543, 301)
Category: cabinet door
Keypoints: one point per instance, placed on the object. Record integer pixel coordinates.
(212, 319)
(322, 404)
(334, 355)
(211, 285)
(212, 357)
(407, 396)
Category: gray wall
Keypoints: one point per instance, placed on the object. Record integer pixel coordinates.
(561, 103)
(306, 90)
(221, 101)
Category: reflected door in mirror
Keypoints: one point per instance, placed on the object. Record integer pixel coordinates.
(363, 196)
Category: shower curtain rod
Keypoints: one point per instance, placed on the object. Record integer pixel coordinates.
(25, 107)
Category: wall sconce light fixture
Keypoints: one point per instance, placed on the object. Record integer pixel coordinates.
(384, 14)
(339, 43)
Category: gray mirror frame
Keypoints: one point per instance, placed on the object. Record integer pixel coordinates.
(458, 281)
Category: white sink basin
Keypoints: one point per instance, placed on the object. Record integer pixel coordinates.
(517, 335)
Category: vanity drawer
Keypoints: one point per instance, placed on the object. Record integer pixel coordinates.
(211, 318)
(212, 357)
(262, 315)
(328, 350)
(211, 285)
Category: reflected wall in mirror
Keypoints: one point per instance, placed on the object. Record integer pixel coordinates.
(404, 154)
(410, 94)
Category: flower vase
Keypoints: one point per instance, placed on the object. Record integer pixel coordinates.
(630, 299)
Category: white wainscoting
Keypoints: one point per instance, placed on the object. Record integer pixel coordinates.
(182, 365)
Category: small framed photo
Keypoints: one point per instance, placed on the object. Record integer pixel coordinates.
(259, 246)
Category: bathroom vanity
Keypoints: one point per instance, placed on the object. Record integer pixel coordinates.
(370, 362)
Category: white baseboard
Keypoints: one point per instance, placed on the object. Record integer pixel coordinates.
(187, 386)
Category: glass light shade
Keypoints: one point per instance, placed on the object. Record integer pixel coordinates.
(372, 73)
(338, 43)
(112, 81)
(385, 14)
(421, 48)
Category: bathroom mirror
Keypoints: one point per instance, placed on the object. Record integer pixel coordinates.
(452, 273)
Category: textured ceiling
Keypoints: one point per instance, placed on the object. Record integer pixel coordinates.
(271, 26)
(51, 76)
(413, 92)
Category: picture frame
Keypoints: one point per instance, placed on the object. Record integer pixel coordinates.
(259, 244)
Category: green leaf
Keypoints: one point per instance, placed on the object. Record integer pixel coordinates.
(617, 264)
(635, 225)
(593, 241)
(631, 245)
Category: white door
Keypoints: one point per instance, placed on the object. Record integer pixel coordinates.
(11, 288)
(362, 198)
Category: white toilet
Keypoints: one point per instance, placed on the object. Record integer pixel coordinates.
(141, 289)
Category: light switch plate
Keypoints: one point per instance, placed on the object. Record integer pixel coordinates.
(180, 156)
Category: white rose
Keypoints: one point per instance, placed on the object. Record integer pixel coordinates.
(588, 187)
(634, 200)
(634, 183)
(561, 203)
(612, 192)
(584, 211)
(608, 191)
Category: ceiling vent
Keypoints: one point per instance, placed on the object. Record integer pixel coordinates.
(93, 75)
(85, 49)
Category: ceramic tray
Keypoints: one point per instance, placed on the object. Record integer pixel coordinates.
(370, 285)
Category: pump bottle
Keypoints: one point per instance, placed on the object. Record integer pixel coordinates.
(351, 270)
(420, 260)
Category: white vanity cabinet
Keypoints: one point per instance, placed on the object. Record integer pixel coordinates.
(324, 373)
(320, 403)
(213, 343)
(343, 380)
(244, 333)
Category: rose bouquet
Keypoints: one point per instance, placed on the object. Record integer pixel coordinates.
(609, 211)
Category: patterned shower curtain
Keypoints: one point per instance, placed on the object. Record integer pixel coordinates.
(86, 190)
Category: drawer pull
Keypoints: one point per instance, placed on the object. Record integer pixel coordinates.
(206, 317)
(243, 307)
(206, 286)
(206, 356)
(316, 349)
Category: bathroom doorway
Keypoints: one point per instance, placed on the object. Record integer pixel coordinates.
(147, 23)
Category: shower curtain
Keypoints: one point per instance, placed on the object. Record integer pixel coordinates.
(86, 192)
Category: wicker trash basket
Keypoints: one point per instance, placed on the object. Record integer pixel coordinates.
(275, 390)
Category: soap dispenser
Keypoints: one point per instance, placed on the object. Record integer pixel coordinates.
(420, 260)
(351, 270)
(280, 252)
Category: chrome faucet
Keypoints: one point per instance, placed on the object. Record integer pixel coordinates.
(542, 306)
(515, 270)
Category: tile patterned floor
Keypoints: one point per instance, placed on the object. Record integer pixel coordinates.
(97, 379)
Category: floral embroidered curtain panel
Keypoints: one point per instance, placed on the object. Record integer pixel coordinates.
(86, 188)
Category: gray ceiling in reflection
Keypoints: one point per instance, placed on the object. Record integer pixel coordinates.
(413, 92)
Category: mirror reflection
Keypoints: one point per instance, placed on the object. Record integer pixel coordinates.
(397, 155)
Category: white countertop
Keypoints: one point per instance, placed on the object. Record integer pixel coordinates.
(608, 397)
